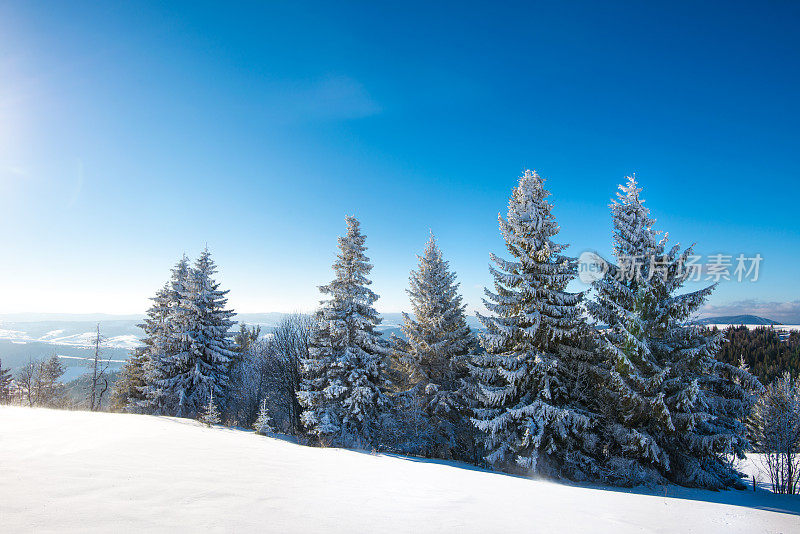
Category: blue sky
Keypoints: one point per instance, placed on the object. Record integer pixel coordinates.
(131, 133)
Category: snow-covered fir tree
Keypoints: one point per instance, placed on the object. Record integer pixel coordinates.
(205, 339)
(342, 391)
(50, 390)
(5, 384)
(165, 319)
(673, 411)
(263, 424)
(434, 355)
(209, 414)
(130, 391)
(536, 376)
(127, 391)
(191, 349)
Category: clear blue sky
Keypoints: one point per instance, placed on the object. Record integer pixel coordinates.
(132, 132)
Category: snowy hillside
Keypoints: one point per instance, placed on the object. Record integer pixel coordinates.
(98, 472)
(118, 333)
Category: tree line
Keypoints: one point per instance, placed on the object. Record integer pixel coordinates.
(543, 390)
(762, 349)
(38, 383)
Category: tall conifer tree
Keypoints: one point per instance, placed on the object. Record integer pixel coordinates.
(434, 356)
(673, 411)
(165, 319)
(342, 392)
(192, 348)
(5, 384)
(131, 391)
(533, 374)
(207, 331)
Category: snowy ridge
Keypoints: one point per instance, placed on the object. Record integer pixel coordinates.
(71, 335)
(85, 339)
(226, 480)
(87, 359)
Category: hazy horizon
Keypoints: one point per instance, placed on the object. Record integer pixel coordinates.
(101, 316)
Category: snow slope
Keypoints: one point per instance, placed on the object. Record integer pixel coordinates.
(98, 472)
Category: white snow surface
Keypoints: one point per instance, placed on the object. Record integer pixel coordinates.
(85, 339)
(88, 359)
(98, 472)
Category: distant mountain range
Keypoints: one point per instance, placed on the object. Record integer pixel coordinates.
(737, 320)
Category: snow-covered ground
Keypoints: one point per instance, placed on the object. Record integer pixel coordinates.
(98, 472)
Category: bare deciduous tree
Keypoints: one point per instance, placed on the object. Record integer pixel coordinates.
(268, 369)
(26, 379)
(290, 344)
(775, 432)
(39, 382)
(98, 384)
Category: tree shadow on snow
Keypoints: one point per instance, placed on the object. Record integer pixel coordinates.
(761, 499)
(758, 500)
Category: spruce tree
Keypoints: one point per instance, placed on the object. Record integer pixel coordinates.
(342, 391)
(192, 347)
(535, 374)
(165, 320)
(263, 424)
(213, 338)
(673, 411)
(127, 392)
(50, 391)
(209, 414)
(132, 391)
(5, 384)
(203, 337)
(434, 357)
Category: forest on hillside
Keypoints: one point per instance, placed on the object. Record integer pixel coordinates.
(766, 353)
